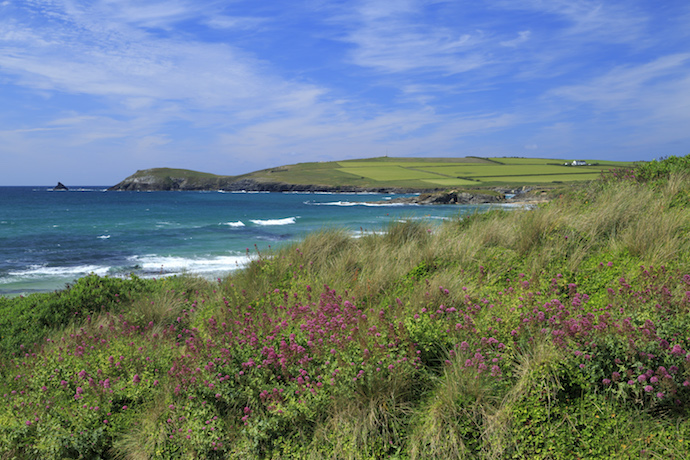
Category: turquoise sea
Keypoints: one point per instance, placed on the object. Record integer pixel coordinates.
(50, 238)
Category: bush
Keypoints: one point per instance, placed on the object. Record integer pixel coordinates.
(26, 321)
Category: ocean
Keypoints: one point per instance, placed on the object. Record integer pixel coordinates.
(50, 238)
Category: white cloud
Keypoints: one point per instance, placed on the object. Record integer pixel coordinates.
(588, 20)
(522, 37)
(146, 143)
(390, 38)
(235, 22)
(139, 70)
(105, 15)
(628, 84)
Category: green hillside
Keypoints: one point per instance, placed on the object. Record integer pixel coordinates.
(437, 172)
(385, 173)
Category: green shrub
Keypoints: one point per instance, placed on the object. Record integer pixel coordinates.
(25, 321)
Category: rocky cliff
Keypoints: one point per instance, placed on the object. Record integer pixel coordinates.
(163, 179)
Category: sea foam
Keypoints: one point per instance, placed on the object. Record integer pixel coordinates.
(267, 222)
(354, 203)
(167, 265)
(41, 270)
(239, 223)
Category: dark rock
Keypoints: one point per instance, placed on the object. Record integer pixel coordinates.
(60, 187)
(452, 197)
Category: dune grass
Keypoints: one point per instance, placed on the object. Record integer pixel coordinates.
(555, 332)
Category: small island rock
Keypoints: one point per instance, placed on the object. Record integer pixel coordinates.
(60, 186)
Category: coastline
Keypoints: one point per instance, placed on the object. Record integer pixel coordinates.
(161, 234)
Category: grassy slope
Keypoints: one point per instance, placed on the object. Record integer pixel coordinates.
(435, 172)
(412, 173)
(560, 332)
(163, 173)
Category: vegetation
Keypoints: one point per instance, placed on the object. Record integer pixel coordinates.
(389, 173)
(557, 332)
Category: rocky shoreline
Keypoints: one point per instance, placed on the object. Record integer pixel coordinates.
(450, 197)
(519, 197)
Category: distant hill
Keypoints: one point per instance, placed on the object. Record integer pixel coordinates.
(383, 174)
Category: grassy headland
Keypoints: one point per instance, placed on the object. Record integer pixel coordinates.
(380, 174)
(559, 332)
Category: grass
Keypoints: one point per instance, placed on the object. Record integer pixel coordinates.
(557, 332)
(388, 173)
(451, 182)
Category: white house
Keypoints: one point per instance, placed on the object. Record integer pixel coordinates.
(579, 163)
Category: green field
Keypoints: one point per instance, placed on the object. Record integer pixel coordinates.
(511, 170)
(476, 171)
(388, 173)
(543, 178)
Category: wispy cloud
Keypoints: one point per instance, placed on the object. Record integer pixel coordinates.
(587, 20)
(389, 37)
(627, 85)
(137, 65)
(235, 22)
(522, 37)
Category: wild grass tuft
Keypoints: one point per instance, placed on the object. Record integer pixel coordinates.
(161, 308)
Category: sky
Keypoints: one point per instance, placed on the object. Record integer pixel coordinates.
(93, 90)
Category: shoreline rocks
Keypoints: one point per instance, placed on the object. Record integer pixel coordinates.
(450, 197)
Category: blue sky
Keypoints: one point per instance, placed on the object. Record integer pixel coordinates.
(91, 91)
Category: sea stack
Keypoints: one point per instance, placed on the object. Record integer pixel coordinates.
(60, 187)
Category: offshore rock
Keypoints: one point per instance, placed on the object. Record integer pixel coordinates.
(60, 187)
